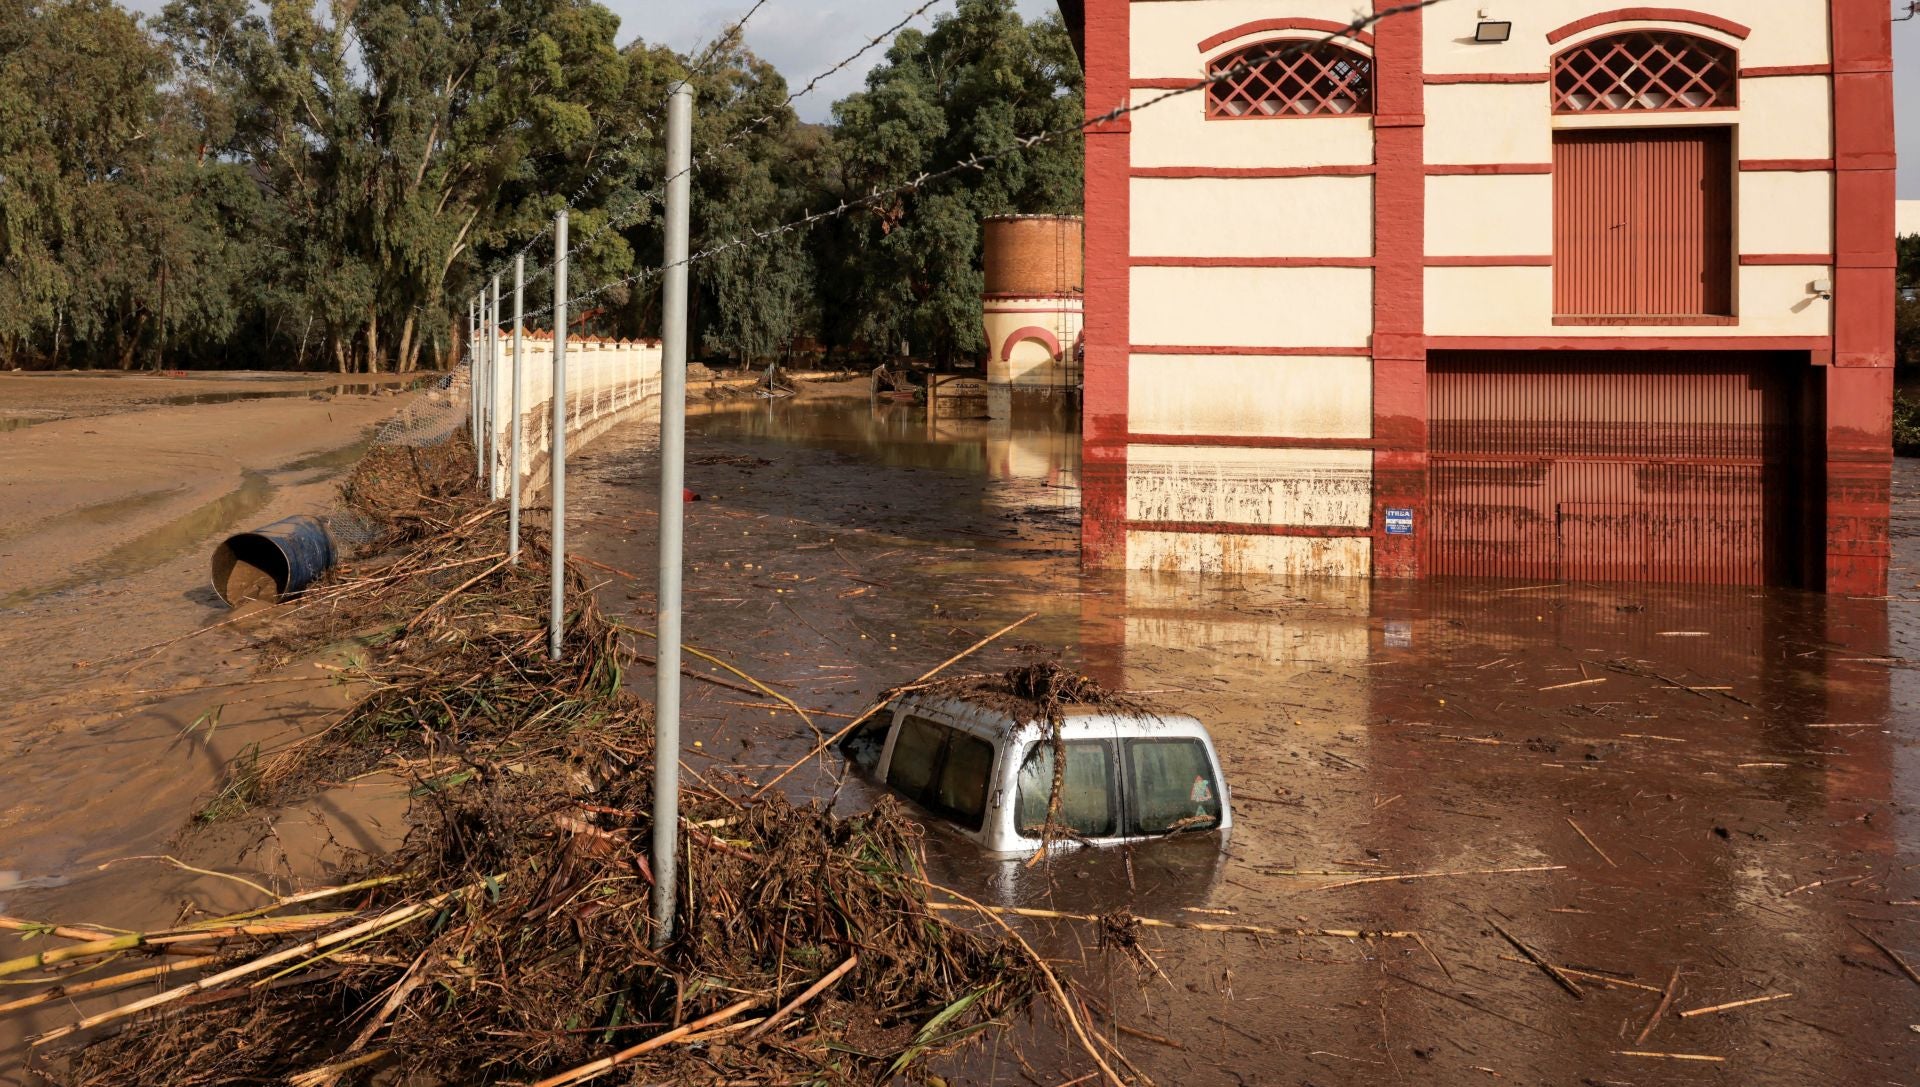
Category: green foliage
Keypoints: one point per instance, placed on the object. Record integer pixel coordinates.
(1906, 314)
(1906, 425)
(1906, 336)
(908, 270)
(282, 183)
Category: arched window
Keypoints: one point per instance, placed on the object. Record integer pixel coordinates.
(1286, 78)
(1642, 70)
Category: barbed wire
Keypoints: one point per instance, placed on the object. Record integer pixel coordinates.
(644, 202)
(980, 160)
(729, 34)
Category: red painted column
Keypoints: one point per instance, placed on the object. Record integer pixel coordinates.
(1103, 478)
(1399, 293)
(1860, 379)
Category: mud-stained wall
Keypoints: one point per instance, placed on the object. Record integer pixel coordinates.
(1252, 307)
(1304, 488)
(1784, 32)
(1491, 196)
(1253, 217)
(1166, 37)
(1176, 133)
(605, 379)
(1289, 557)
(1312, 396)
(1283, 278)
(1774, 300)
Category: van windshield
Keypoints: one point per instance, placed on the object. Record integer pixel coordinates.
(1171, 786)
(1086, 795)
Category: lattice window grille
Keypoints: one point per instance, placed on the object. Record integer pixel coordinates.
(1645, 70)
(1291, 79)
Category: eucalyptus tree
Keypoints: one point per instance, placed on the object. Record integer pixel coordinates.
(906, 269)
(113, 226)
(405, 144)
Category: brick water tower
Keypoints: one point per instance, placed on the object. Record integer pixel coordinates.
(1035, 284)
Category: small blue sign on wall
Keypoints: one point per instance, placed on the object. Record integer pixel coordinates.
(1399, 522)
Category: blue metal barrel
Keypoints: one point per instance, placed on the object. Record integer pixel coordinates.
(272, 563)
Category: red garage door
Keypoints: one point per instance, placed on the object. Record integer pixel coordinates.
(1620, 466)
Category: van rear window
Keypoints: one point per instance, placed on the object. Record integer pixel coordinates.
(942, 769)
(1171, 786)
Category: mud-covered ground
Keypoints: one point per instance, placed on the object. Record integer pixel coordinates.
(1714, 783)
(126, 693)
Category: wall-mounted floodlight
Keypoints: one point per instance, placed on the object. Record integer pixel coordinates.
(1821, 287)
(1491, 32)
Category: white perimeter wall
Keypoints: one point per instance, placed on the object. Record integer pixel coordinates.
(1907, 218)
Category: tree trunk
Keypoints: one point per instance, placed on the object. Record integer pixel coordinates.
(340, 354)
(160, 333)
(373, 342)
(403, 362)
(133, 342)
(301, 362)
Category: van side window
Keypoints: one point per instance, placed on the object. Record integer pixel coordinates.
(1171, 785)
(1086, 793)
(943, 770)
(915, 751)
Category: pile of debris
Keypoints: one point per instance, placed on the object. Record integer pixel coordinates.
(512, 938)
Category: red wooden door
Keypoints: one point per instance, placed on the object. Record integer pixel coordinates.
(1616, 466)
(1643, 223)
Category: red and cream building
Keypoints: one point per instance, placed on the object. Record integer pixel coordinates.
(1608, 299)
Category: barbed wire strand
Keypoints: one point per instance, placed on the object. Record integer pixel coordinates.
(980, 160)
(729, 34)
(644, 203)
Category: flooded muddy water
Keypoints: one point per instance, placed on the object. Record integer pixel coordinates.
(1637, 783)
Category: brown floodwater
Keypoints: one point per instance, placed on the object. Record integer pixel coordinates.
(1634, 781)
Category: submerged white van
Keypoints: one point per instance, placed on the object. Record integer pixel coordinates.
(988, 772)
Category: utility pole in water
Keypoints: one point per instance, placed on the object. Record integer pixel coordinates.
(673, 439)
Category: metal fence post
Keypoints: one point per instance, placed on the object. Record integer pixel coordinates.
(493, 396)
(473, 378)
(673, 434)
(557, 616)
(486, 392)
(519, 428)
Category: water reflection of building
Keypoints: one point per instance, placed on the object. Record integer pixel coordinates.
(1420, 730)
(1674, 750)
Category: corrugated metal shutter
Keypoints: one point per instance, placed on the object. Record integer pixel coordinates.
(1615, 466)
(1643, 223)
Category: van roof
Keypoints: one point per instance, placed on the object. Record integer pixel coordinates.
(1035, 691)
(1076, 719)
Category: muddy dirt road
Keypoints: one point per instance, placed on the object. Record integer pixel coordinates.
(1632, 781)
(109, 506)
